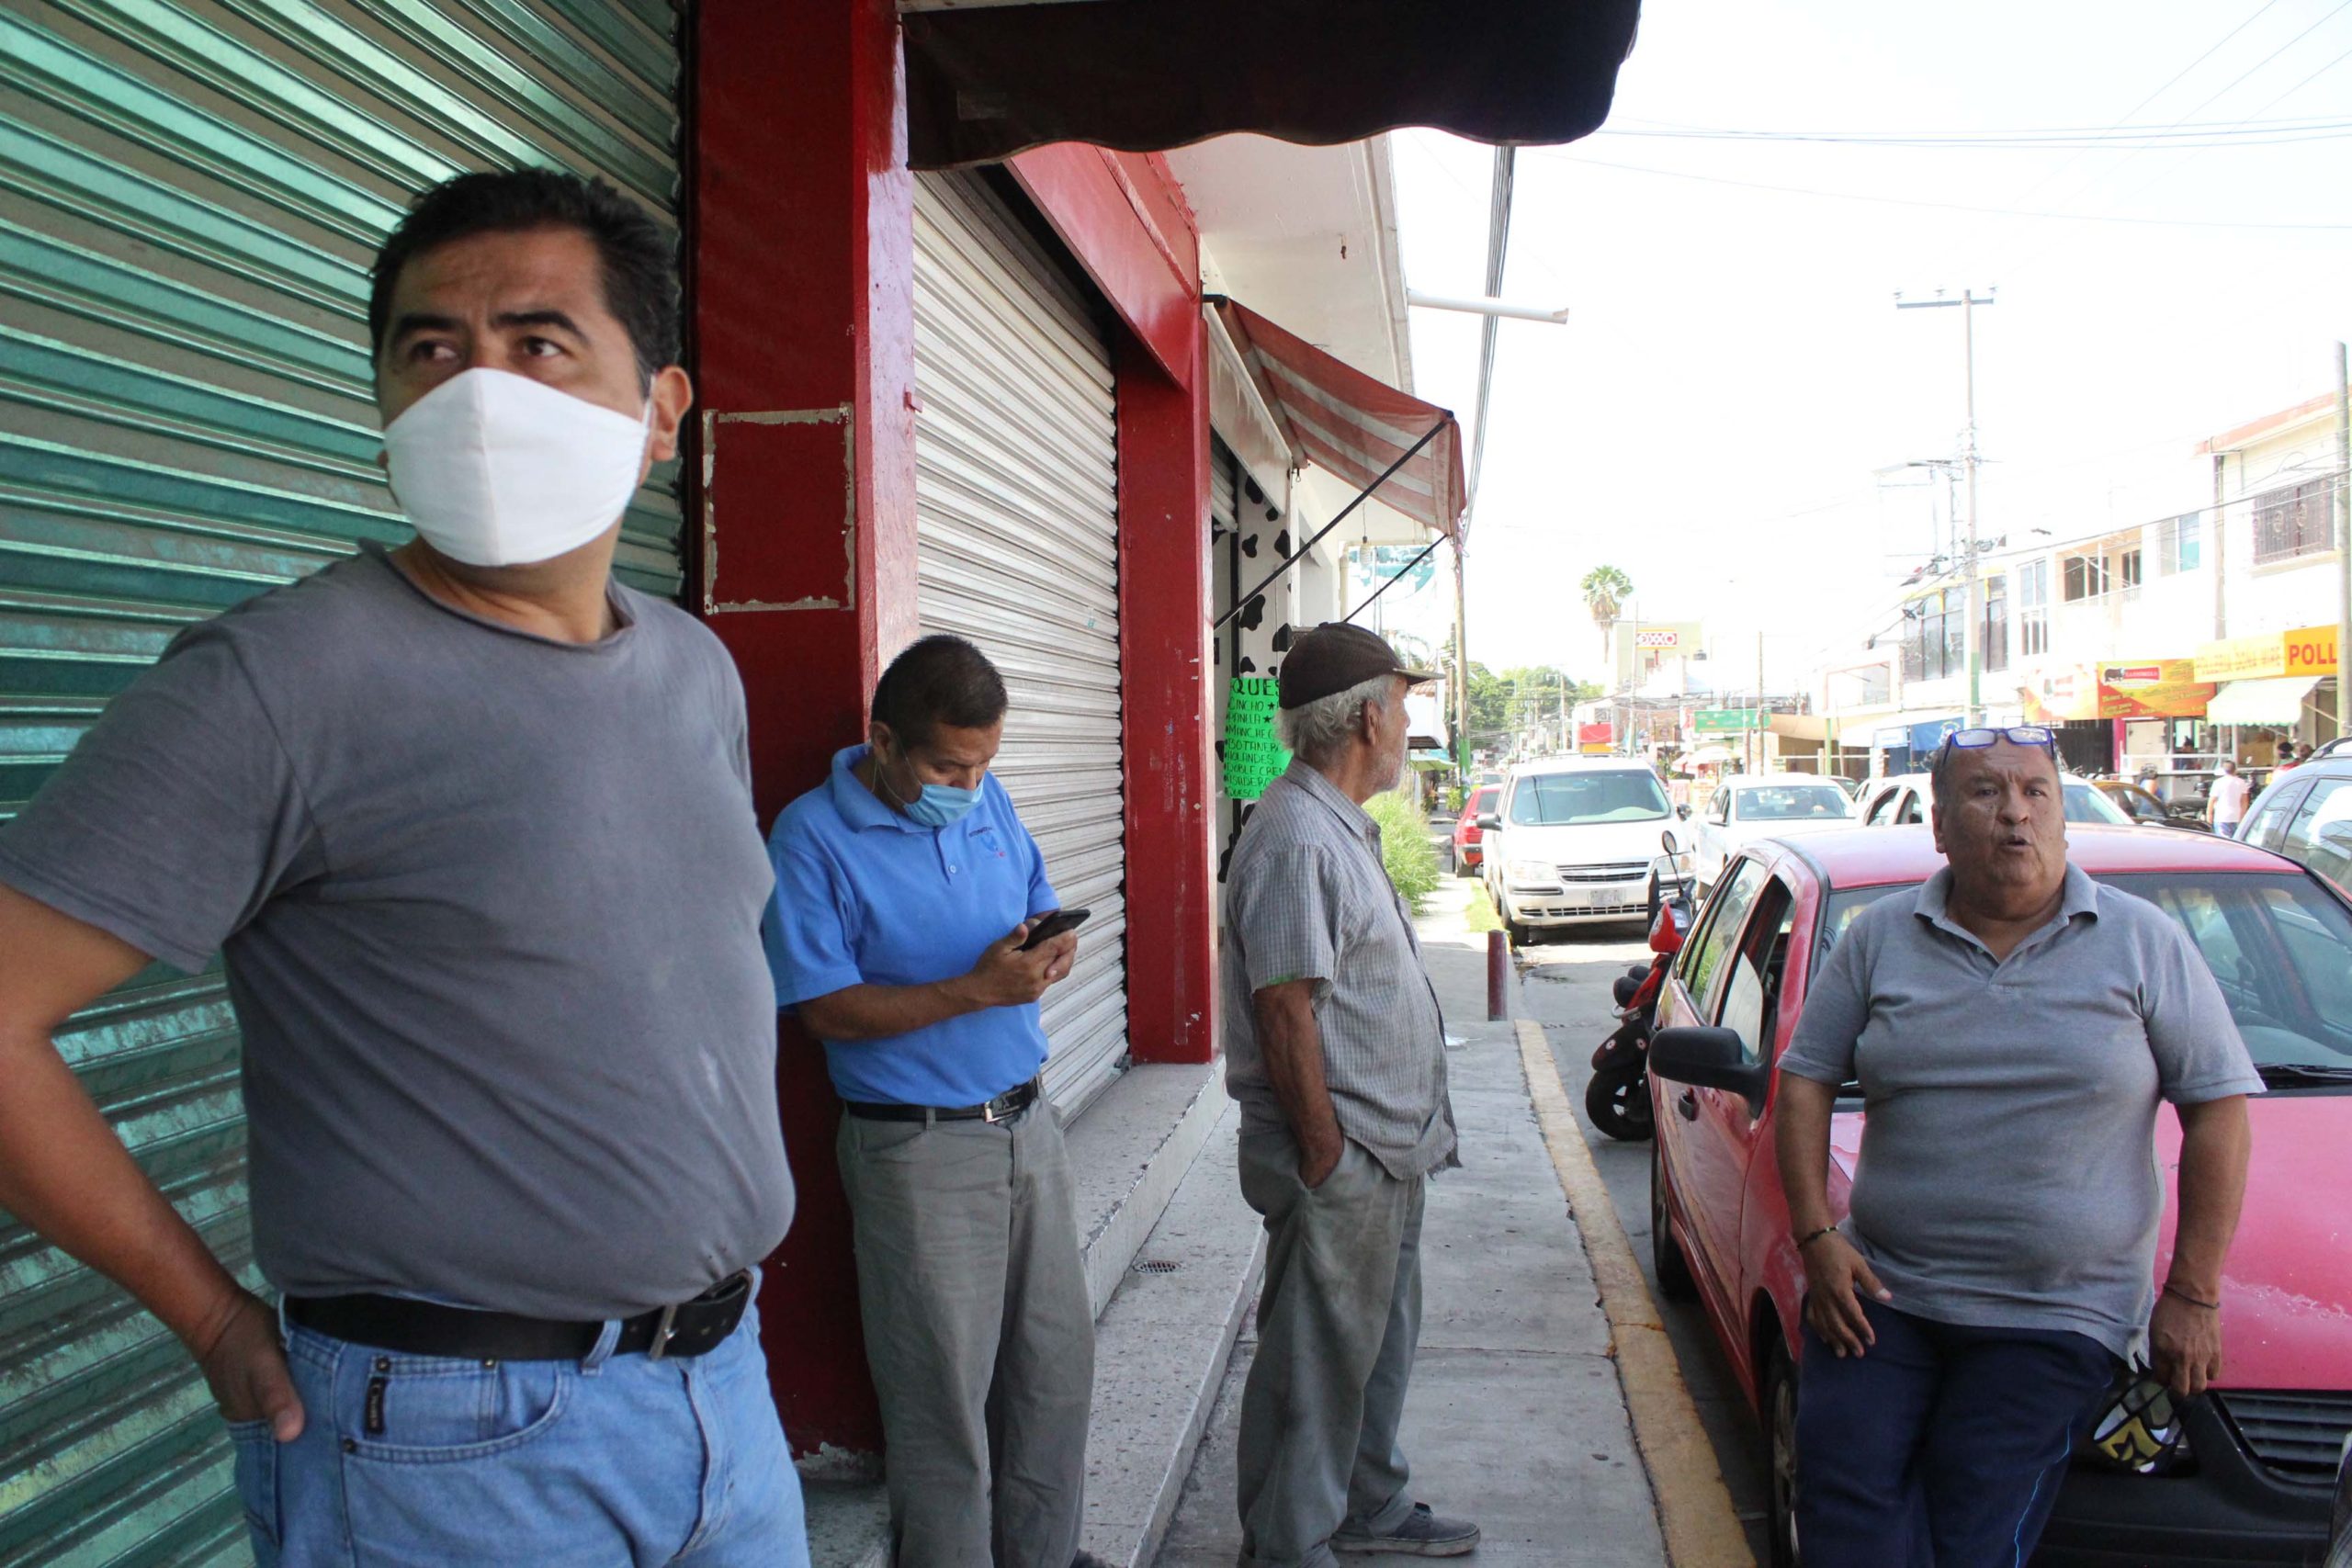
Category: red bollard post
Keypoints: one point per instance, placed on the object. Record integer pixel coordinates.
(1497, 976)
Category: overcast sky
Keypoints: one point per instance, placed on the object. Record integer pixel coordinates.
(1716, 417)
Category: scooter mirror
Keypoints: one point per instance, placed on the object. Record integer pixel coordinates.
(1667, 840)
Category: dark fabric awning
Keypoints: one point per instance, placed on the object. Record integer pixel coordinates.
(1353, 426)
(987, 81)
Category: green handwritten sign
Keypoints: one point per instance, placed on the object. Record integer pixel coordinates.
(1254, 757)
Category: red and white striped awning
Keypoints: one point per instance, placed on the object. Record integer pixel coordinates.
(1351, 424)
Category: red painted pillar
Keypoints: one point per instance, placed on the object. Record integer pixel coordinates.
(804, 335)
(1164, 658)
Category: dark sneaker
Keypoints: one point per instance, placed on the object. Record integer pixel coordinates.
(1419, 1534)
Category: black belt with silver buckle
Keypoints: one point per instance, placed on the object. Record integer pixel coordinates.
(1003, 1107)
(410, 1327)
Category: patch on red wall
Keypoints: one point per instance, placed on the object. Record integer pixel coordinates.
(772, 483)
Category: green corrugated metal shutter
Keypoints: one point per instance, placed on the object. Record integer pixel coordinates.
(190, 194)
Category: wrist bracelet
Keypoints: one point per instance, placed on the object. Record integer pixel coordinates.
(1810, 1238)
(2179, 1295)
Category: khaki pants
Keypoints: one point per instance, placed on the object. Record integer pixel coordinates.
(979, 1333)
(1337, 1321)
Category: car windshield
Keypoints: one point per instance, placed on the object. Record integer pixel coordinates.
(2278, 944)
(1576, 800)
(1785, 803)
(2085, 803)
(1485, 802)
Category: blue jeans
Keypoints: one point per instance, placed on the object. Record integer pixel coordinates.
(1943, 1445)
(421, 1462)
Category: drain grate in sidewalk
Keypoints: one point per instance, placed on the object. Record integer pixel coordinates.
(1155, 1266)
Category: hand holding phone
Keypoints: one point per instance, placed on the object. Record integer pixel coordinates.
(1051, 926)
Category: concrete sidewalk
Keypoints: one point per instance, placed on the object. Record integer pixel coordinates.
(1517, 1418)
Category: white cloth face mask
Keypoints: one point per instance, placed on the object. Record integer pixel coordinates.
(498, 469)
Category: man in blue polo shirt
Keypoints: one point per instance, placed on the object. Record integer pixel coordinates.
(905, 888)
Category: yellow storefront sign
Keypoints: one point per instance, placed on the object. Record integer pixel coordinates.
(2150, 688)
(2311, 652)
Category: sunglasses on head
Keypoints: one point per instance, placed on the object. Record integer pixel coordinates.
(2016, 735)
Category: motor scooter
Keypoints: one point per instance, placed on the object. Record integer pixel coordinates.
(1618, 1096)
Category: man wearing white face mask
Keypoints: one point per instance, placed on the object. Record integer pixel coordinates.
(474, 828)
(906, 890)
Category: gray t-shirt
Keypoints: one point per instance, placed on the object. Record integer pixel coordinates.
(490, 906)
(2008, 1176)
(1308, 898)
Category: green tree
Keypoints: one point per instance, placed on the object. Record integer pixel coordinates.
(1605, 590)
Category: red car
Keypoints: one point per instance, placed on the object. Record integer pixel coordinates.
(2253, 1479)
(1468, 857)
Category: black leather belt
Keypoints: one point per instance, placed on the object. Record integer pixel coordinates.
(427, 1328)
(1003, 1107)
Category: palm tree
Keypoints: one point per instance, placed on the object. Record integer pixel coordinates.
(1605, 589)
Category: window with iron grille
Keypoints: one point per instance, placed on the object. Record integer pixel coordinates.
(1934, 630)
(2034, 609)
(2293, 520)
(1993, 639)
(2180, 543)
(2082, 577)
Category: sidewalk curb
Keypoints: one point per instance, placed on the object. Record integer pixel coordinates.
(1695, 1509)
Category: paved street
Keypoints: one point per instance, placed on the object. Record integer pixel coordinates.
(1516, 1417)
(1565, 987)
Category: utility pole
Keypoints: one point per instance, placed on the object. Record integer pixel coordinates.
(1461, 665)
(1973, 634)
(2343, 540)
(1756, 731)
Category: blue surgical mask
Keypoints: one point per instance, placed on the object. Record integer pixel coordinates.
(934, 806)
(942, 806)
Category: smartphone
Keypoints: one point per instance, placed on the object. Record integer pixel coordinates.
(1053, 925)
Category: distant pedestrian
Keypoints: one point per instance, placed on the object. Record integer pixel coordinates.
(2286, 758)
(1338, 1059)
(1960, 1324)
(906, 890)
(2225, 799)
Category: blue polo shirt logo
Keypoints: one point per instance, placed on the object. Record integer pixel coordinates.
(865, 896)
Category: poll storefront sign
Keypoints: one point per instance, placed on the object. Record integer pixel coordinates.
(1724, 721)
(2311, 652)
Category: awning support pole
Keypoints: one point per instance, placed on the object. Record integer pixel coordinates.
(1392, 581)
(1362, 496)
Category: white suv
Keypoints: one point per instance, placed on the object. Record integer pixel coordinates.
(1572, 841)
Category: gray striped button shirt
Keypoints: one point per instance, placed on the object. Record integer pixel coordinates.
(1307, 897)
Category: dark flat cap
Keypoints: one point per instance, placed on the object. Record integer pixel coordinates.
(1335, 656)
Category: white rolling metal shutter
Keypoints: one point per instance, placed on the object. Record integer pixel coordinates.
(1016, 534)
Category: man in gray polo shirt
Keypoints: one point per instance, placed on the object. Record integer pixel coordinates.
(1337, 1054)
(2013, 1026)
(473, 825)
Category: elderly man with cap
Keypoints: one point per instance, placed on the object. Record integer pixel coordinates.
(1337, 1055)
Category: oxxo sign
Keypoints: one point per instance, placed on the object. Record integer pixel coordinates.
(1657, 639)
(2311, 652)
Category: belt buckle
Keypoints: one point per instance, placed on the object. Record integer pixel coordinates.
(993, 1112)
(663, 1332)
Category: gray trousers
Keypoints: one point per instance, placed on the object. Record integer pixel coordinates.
(979, 1333)
(1338, 1320)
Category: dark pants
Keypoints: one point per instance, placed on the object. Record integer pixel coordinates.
(1942, 1445)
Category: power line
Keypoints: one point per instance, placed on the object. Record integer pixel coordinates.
(2260, 133)
(1950, 206)
(2325, 16)
(2048, 176)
